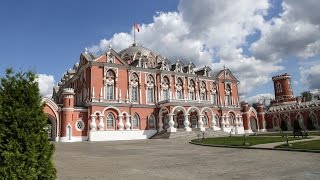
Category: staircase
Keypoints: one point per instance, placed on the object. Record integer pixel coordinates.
(181, 133)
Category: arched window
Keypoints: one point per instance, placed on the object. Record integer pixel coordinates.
(193, 121)
(228, 95)
(214, 93)
(231, 119)
(135, 121)
(69, 132)
(279, 89)
(109, 81)
(134, 88)
(180, 121)
(203, 91)
(191, 89)
(165, 88)
(205, 120)
(150, 89)
(166, 121)
(179, 87)
(151, 122)
(110, 120)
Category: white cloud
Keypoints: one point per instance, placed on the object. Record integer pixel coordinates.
(46, 83)
(295, 33)
(213, 32)
(310, 76)
(261, 98)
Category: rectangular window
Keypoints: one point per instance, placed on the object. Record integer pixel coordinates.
(179, 95)
(213, 98)
(191, 95)
(202, 96)
(109, 91)
(150, 95)
(109, 122)
(134, 94)
(227, 100)
(165, 94)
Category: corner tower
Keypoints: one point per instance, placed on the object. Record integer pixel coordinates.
(282, 88)
(67, 114)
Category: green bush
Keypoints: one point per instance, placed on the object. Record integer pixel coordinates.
(25, 151)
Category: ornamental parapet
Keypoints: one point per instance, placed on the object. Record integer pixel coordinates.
(68, 91)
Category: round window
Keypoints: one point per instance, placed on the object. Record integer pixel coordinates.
(79, 125)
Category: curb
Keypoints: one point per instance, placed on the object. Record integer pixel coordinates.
(260, 148)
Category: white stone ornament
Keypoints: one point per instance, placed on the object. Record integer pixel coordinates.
(120, 124)
(101, 124)
(186, 123)
(128, 124)
(200, 124)
(93, 124)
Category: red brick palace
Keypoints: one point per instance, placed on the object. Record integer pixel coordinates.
(135, 93)
(286, 111)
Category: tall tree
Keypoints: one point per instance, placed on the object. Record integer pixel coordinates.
(306, 96)
(25, 151)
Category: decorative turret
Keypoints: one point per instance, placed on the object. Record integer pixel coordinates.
(68, 97)
(282, 89)
(282, 86)
(67, 111)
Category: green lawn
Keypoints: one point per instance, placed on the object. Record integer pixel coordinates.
(309, 145)
(238, 140)
(312, 133)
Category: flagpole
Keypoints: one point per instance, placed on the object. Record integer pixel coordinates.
(134, 33)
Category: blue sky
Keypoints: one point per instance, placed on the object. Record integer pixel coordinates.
(48, 36)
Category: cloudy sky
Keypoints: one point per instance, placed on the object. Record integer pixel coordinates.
(254, 39)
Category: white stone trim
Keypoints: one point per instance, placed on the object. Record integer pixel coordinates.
(74, 139)
(120, 135)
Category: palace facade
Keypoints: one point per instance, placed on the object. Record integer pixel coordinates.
(136, 93)
(287, 111)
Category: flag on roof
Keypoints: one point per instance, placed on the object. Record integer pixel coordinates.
(136, 26)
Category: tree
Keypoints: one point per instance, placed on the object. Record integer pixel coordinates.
(306, 96)
(25, 151)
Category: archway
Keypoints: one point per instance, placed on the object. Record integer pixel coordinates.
(50, 109)
(51, 127)
(253, 124)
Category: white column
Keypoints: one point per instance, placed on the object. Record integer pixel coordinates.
(93, 124)
(171, 124)
(120, 124)
(92, 93)
(100, 95)
(128, 124)
(222, 123)
(200, 123)
(236, 125)
(226, 119)
(101, 124)
(160, 124)
(186, 123)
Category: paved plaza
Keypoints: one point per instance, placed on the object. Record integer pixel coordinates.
(177, 159)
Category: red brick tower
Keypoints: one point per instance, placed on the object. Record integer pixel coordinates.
(245, 115)
(261, 114)
(67, 113)
(282, 88)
